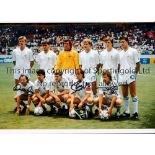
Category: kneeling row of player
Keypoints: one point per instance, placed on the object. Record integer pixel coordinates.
(76, 95)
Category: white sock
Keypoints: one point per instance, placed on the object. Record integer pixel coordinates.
(127, 104)
(135, 104)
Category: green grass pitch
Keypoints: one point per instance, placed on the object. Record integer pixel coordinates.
(145, 93)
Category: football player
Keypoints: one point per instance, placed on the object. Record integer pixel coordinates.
(22, 59)
(89, 62)
(108, 94)
(129, 67)
(41, 89)
(25, 90)
(80, 93)
(109, 58)
(58, 90)
(47, 60)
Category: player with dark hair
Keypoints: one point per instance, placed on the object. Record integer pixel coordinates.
(41, 90)
(129, 67)
(47, 60)
(109, 58)
(25, 90)
(58, 90)
(67, 61)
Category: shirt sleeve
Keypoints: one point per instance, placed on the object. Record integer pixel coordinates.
(19, 92)
(97, 61)
(117, 57)
(47, 86)
(36, 85)
(54, 60)
(14, 55)
(31, 55)
(80, 58)
(66, 84)
(136, 56)
(58, 62)
(51, 86)
(76, 59)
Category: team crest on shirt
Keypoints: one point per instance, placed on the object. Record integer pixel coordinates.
(132, 77)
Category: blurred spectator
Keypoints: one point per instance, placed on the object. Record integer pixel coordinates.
(141, 35)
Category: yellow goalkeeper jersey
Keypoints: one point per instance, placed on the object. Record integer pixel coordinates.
(67, 60)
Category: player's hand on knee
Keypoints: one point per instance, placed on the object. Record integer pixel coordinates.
(109, 111)
(57, 100)
(42, 100)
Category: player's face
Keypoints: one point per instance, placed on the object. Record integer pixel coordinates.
(40, 77)
(86, 46)
(79, 76)
(57, 78)
(22, 43)
(67, 46)
(23, 81)
(123, 44)
(45, 47)
(108, 44)
(106, 79)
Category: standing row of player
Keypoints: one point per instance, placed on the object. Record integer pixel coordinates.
(123, 65)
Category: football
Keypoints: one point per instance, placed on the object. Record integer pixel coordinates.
(104, 114)
(38, 111)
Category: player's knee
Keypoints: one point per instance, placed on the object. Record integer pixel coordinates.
(77, 101)
(69, 100)
(118, 102)
(90, 100)
(65, 97)
(34, 99)
(48, 100)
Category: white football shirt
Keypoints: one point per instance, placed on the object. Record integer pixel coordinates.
(109, 59)
(47, 60)
(89, 60)
(22, 58)
(41, 86)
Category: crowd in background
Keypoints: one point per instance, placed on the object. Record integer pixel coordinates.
(141, 35)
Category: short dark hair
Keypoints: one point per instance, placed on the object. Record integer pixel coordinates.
(40, 71)
(22, 75)
(81, 72)
(124, 38)
(108, 73)
(68, 40)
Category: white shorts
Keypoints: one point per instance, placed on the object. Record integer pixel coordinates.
(91, 77)
(49, 77)
(70, 77)
(126, 79)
